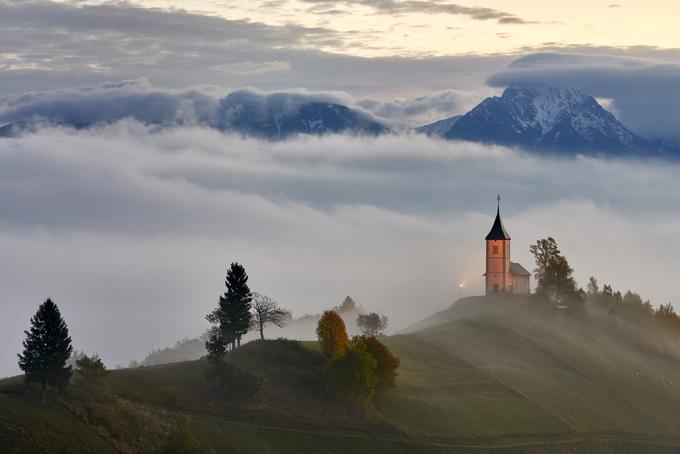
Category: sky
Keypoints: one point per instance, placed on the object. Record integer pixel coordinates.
(378, 28)
(130, 229)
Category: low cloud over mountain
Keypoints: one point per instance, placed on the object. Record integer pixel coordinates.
(264, 115)
(130, 230)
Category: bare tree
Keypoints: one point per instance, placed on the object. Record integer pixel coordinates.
(267, 312)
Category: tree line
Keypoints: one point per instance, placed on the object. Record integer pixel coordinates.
(556, 284)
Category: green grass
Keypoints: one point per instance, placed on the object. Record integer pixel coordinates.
(486, 375)
(26, 426)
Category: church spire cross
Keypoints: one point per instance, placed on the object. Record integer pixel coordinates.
(498, 197)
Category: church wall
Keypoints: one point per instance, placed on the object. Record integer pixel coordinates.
(520, 284)
(498, 276)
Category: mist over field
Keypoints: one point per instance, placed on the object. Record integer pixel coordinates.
(131, 230)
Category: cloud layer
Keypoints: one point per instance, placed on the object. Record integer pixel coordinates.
(427, 7)
(139, 101)
(48, 45)
(131, 231)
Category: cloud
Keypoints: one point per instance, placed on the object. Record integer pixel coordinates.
(140, 101)
(428, 7)
(422, 109)
(644, 90)
(66, 45)
(130, 230)
(247, 68)
(111, 102)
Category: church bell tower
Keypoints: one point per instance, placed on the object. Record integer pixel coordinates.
(498, 277)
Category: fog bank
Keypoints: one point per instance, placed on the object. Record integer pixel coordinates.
(131, 232)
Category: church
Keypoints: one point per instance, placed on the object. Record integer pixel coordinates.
(502, 275)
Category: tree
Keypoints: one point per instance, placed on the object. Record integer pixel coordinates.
(348, 305)
(667, 316)
(387, 363)
(593, 290)
(216, 345)
(352, 375)
(90, 372)
(267, 312)
(232, 314)
(544, 252)
(372, 324)
(181, 440)
(332, 334)
(634, 305)
(90, 375)
(46, 349)
(553, 273)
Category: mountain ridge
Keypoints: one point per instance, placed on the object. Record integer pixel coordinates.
(548, 119)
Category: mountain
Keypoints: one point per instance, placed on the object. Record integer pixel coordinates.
(279, 118)
(545, 118)
(489, 374)
(23, 127)
(439, 128)
(274, 116)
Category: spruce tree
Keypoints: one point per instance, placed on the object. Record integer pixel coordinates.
(233, 311)
(46, 349)
(236, 302)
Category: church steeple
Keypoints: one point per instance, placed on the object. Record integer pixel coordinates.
(498, 278)
(498, 231)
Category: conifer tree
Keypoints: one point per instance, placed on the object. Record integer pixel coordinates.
(46, 349)
(232, 314)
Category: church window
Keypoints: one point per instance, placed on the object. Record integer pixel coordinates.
(494, 250)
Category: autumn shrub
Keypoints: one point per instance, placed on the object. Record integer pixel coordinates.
(332, 335)
(387, 363)
(352, 375)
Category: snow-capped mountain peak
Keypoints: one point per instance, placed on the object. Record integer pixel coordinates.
(543, 117)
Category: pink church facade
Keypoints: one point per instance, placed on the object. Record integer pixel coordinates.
(502, 275)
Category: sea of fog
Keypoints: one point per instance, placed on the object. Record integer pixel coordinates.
(130, 231)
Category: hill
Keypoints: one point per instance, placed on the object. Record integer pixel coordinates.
(548, 119)
(486, 375)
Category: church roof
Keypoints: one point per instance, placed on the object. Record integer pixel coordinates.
(518, 270)
(498, 232)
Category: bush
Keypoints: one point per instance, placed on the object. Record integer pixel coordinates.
(90, 373)
(352, 375)
(387, 363)
(332, 334)
(181, 440)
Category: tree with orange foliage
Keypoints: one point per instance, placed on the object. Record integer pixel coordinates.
(387, 363)
(332, 334)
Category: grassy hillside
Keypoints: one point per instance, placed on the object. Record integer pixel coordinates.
(486, 375)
